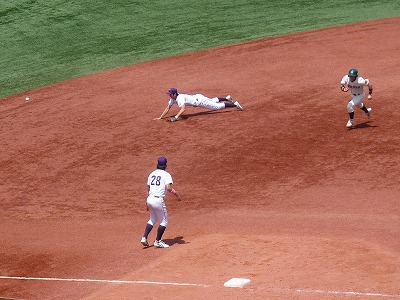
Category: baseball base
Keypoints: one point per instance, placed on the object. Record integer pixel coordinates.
(237, 282)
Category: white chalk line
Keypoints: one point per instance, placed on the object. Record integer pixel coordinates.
(103, 281)
(298, 290)
(353, 293)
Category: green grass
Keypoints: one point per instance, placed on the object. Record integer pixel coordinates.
(47, 41)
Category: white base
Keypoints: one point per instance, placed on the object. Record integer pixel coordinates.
(237, 282)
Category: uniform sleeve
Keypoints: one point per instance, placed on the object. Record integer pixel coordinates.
(168, 179)
(364, 81)
(345, 80)
(180, 100)
(171, 102)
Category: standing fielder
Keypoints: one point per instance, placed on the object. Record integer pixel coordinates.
(158, 182)
(183, 100)
(356, 85)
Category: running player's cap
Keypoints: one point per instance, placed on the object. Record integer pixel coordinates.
(353, 72)
(162, 161)
(172, 91)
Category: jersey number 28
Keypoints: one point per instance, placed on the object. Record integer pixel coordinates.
(155, 180)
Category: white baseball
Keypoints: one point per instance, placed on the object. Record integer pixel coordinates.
(27, 98)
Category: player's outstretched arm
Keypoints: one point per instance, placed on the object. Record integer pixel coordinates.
(180, 111)
(174, 119)
(164, 113)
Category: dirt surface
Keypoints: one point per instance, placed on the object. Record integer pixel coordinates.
(280, 193)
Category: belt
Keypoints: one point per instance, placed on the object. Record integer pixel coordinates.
(357, 94)
(157, 196)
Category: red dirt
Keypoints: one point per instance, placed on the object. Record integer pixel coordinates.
(281, 193)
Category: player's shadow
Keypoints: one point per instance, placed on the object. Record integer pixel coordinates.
(364, 125)
(176, 240)
(202, 113)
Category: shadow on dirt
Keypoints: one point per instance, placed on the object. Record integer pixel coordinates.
(176, 240)
(363, 125)
(202, 113)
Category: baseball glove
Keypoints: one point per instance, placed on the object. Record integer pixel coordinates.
(172, 119)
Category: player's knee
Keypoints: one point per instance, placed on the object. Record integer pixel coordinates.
(164, 223)
(350, 107)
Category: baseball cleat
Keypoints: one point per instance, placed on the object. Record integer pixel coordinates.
(238, 105)
(160, 244)
(369, 113)
(229, 98)
(350, 123)
(144, 242)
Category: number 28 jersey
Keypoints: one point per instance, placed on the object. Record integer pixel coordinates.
(157, 182)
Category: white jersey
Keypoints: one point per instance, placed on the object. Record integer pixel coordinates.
(357, 86)
(157, 181)
(191, 100)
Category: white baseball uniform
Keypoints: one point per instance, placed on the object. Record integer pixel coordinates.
(357, 91)
(157, 181)
(197, 100)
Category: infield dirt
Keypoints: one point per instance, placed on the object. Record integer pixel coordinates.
(280, 193)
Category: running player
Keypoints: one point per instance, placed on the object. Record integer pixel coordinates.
(356, 85)
(158, 182)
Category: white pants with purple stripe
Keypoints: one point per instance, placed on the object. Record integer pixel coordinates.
(210, 103)
(158, 211)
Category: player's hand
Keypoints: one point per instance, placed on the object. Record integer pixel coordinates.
(157, 118)
(344, 89)
(369, 97)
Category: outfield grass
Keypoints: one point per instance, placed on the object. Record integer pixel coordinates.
(46, 41)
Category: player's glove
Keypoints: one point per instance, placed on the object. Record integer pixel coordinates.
(172, 119)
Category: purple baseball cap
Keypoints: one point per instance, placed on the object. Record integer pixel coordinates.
(162, 161)
(172, 91)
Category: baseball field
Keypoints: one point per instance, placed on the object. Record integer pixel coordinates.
(282, 193)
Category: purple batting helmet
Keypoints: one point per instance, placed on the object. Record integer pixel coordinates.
(162, 161)
(172, 91)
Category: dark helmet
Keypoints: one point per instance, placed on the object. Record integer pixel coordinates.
(172, 91)
(162, 163)
(353, 72)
